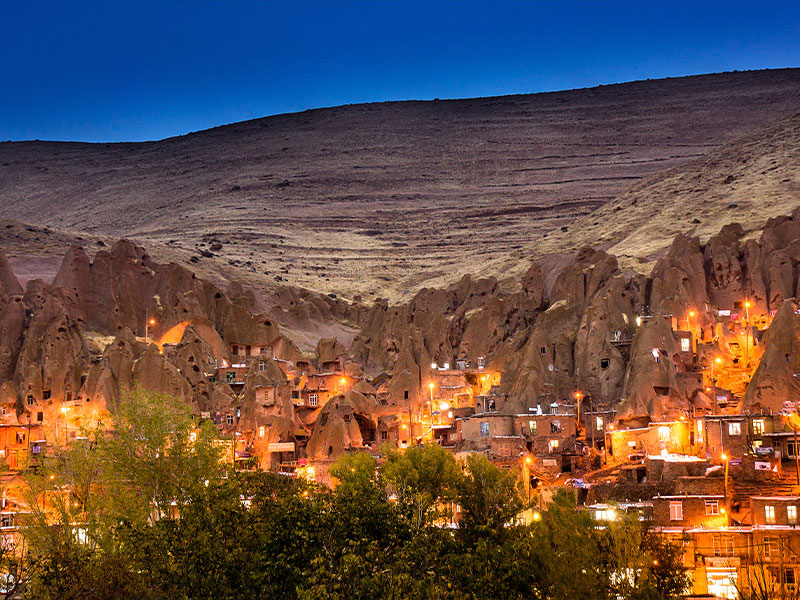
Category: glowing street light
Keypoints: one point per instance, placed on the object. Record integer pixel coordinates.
(147, 324)
(692, 314)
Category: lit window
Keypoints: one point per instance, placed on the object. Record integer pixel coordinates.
(532, 427)
(552, 446)
(485, 429)
(699, 425)
(712, 507)
(555, 426)
(599, 423)
(758, 426)
(676, 511)
(663, 433)
(791, 514)
(769, 514)
(686, 344)
(734, 429)
(313, 400)
(229, 419)
(261, 431)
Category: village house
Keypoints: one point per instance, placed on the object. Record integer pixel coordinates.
(684, 436)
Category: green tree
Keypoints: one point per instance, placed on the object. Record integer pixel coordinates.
(424, 479)
(489, 498)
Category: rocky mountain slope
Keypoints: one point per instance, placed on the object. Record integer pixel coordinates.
(382, 200)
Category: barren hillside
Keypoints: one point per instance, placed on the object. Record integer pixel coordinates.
(382, 199)
(746, 181)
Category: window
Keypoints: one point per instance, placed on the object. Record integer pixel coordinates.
(598, 423)
(791, 514)
(20, 437)
(405, 395)
(384, 435)
(771, 547)
(29, 401)
(604, 362)
(229, 419)
(769, 514)
(699, 436)
(313, 400)
(663, 433)
(788, 578)
(552, 446)
(230, 376)
(723, 545)
(6, 520)
(676, 511)
(45, 394)
(712, 507)
(686, 345)
(734, 429)
(262, 366)
(485, 429)
(543, 349)
(40, 416)
(261, 431)
(532, 427)
(758, 426)
(555, 426)
(234, 349)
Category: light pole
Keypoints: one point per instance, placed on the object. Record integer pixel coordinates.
(526, 475)
(64, 410)
(147, 324)
(724, 457)
(691, 314)
(431, 385)
(747, 333)
(578, 397)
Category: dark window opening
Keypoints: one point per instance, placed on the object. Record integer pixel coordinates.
(45, 394)
(604, 362)
(40, 416)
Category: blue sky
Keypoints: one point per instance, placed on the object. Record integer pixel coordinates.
(117, 70)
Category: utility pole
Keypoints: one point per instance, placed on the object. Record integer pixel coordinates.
(796, 458)
(781, 574)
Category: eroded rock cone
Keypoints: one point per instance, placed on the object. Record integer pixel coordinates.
(9, 285)
(774, 382)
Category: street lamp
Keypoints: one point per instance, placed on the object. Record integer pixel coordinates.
(64, 410)
(691, 314)
(578, 397)
(724, 457)
(431, 385)
(147, 324)
(747, 333)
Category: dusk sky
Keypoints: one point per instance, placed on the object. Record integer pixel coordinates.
(116, 71)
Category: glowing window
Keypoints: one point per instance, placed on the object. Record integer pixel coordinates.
(686, 345)
(552, 446)
(712, 507)
(485, 429)
(758, 426)
(313, 400)
(663, 433)
(791, 514)
(734, 429)
(769, 514)
(676, 511)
